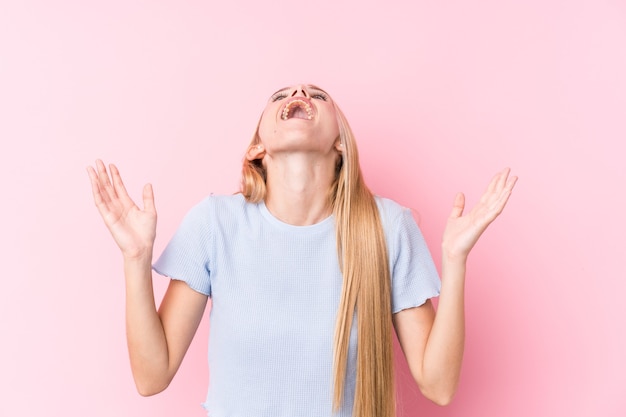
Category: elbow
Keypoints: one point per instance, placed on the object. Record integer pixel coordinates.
(442, 400)
(148, 391)
(150, 388)
(151, 380)
(440, 389)
(441, 396)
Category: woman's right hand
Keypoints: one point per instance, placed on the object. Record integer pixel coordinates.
(133, 229)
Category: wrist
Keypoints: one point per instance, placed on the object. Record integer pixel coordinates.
(453, 268)
(138, 268)
(453, 257)
(138, 256)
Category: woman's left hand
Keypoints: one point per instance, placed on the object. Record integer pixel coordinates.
(462, 231)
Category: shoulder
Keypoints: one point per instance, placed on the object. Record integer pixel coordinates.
(398, 223)
(223, 211)
(214, 207)
(390, 211)
(220, 203)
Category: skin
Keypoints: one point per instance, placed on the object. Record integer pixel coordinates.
(300, 157)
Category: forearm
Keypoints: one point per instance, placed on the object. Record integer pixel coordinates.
(147, 344)
(443, 355)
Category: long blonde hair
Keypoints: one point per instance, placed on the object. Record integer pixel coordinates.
(366, 286)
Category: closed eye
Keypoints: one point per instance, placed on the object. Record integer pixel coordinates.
(278, 96)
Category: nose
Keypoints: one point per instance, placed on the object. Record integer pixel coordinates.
(300, 90)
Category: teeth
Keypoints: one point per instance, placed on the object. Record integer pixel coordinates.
(300, 103)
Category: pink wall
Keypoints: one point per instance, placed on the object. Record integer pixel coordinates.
(440, 94)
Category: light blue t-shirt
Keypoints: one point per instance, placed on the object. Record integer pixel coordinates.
(275, 291)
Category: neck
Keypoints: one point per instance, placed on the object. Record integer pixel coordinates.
(297, 188)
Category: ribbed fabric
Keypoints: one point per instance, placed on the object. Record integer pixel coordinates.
(275, 291)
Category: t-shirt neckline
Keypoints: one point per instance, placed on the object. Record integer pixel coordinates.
(323, 225)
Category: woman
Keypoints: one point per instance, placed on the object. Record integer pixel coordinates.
(307, 272)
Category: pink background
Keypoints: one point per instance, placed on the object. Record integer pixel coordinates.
(441, 95)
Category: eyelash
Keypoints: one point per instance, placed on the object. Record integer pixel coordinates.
(319, 96)
(278, 96)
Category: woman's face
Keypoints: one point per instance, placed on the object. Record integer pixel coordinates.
(299, 118)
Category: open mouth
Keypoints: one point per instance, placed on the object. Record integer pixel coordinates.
(297, 109)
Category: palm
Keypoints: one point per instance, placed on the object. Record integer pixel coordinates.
(463, 230)
(132, 229)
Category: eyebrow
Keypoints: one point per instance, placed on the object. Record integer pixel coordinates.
(311, 86)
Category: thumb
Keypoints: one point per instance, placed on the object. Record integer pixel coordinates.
(459, 205)
(148, 198)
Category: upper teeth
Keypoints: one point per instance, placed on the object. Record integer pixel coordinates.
(298, 103)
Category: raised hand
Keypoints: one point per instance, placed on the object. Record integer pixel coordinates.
(133, 229)
(462, 231)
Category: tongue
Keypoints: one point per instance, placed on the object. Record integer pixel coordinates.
(298, 113)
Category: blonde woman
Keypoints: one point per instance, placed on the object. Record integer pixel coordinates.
(308, 274)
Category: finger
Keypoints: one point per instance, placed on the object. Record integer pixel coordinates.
(498, 180)
(492, 184)
(148, 199)
(508, 189)
(102, 203)
(511, 183)
(459, 205)
(106, 189)
(502, 179)
(118, 185)
(505, 194)
(95, 187)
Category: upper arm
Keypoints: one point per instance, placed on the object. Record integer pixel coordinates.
(180, 312)
(413, 327)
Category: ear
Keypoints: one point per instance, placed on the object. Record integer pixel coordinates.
(339, 146)
(255, 152)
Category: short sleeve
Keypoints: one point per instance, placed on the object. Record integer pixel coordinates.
(186, 256)
(414, 275)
